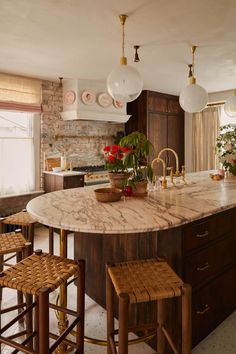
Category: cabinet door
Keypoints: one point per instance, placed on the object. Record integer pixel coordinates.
(175, 139)
(157, 134)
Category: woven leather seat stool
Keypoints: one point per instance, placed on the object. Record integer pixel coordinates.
(13, 244)
(139, 282)
(26, 223)
(38, 275)
(22, 220)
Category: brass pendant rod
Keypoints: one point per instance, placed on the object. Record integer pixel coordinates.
(194, 47)
(123, 59)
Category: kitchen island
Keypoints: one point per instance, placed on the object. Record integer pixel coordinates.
(193, 226)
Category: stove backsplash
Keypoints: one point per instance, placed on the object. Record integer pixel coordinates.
(82, 142)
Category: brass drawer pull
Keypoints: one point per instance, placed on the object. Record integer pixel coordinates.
(206, 265)
(206, 233)
(204, 310)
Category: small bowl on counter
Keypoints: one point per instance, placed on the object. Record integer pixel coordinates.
(106, 195)
(56, 169)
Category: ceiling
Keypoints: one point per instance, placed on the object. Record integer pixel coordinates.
(82, 39)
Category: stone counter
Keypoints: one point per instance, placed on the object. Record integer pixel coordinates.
(78, 210)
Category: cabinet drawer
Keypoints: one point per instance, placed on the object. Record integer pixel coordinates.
(73, 181)
(212, 304)
(211, 260)
(200, 233)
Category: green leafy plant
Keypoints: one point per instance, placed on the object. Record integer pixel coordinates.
(137, 158)
(226, 147)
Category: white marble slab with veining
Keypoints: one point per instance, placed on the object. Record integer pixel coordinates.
(78, 210)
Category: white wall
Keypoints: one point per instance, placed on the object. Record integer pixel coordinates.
(212, 97)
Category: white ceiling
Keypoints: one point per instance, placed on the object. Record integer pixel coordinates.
(82, 39)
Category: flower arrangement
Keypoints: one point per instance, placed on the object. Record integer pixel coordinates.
(226, 147)
(115, 158)
(137, 158)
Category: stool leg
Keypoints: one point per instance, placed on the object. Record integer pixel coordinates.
(51, 243)
(31, 236)
(123, 323)
(43, 333)
(19, 293)
(80, 306)
(160, 320)
(1, 269)
(111, 348)
(186, 319)
(29, 318)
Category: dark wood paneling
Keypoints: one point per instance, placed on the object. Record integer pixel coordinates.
(160, 117)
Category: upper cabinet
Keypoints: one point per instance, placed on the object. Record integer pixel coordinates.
(161, 118)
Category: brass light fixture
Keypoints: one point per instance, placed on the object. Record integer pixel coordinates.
(193, 98)
(124, 83)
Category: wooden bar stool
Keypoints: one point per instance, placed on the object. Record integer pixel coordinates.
(14, 244)
(139, 282)
(38, 275)
(26, 223)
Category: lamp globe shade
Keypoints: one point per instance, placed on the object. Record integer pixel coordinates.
(230, 106)
(193, 98)
(124, 83)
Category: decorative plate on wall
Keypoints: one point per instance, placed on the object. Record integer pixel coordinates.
(104, 99)
(118, 104)
(88, 97)
(69, 97)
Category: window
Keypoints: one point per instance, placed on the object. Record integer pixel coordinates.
(19, 152)
(225, 119)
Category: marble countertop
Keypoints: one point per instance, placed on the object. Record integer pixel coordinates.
(78, 210)
(66, 173)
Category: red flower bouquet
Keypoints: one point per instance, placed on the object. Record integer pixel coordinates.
(114, 158)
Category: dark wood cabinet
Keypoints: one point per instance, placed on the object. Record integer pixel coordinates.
(203, 254)
(55, 182)
(161, 118)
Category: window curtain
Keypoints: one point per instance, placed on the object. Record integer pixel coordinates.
(20, 93)
(205, 128)
(17, 160)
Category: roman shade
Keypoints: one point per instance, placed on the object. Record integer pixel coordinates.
(20, 93)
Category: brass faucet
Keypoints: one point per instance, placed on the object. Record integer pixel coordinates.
(177, 172)
(164, 181)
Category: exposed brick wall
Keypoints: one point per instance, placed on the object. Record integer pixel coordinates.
(81, 141)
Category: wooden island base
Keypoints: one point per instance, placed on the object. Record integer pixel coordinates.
(202, 253)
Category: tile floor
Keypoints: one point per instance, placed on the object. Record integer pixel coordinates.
(220, 341)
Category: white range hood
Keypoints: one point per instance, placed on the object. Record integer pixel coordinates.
(76, 107)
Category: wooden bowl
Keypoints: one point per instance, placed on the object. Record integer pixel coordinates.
(106, 195)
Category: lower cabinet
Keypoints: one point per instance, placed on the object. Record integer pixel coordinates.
(56, 182)
(203, 254)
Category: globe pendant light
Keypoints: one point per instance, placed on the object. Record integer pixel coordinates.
(193, 98)
(230, 106)
(124, 83)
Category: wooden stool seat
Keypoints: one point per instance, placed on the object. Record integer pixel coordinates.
(22, 218)
(39, 271)
(143, 281)
(39, 275)
(12, 242)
